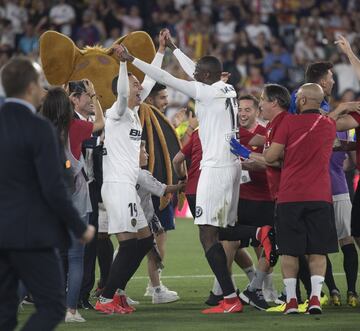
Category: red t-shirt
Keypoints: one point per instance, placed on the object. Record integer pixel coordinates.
(258, 188)
(273, 174)
(193, 151)
(305, 174)
(356, 117)
(79, 131)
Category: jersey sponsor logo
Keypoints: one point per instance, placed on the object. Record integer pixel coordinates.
(135, 133)
(198, 211)
(133, 222)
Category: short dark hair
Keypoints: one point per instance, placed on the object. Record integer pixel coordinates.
(316, 71)
(17, 75)
(77, 87)
(156, 89)
(252, 98)
(276, 92)
(212, 65)
(115, 81)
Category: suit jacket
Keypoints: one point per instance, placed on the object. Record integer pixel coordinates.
(35, 208)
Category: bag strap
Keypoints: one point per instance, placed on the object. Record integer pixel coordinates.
(302, 137)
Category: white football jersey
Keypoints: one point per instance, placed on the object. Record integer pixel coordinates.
(216, 108)
(122, 146)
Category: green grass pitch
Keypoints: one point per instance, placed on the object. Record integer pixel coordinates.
(186, 271)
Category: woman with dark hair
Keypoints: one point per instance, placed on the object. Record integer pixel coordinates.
(58, 108)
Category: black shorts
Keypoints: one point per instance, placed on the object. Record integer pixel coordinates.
(166, 216)
(355, 214)
(255, 213)
(191, 199)
(305, 228)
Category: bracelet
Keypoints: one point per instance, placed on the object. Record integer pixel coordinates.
(182, 178)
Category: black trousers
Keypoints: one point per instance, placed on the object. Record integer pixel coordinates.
(42, 274)
(90, 248)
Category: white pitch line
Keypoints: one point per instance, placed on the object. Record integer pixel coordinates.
(211, 276)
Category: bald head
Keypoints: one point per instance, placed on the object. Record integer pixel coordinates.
(309, 96)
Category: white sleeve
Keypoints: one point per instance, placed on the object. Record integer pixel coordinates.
(148, 83)
(150, 184)
(163, 77)
(186, 63)
(122, 90)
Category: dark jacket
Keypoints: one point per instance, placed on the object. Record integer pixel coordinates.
(35, 209)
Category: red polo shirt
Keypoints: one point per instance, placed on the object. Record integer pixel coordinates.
(273, 174)
(193, 152)
(258, 188)
(305, 174)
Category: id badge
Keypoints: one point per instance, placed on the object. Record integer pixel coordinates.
(245, 177)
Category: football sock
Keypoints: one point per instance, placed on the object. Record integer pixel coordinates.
(105, 252)
(290, 285)
(304, 275)
(120, 267)
(217, 260)
(350, 264)
(142, 248)
(216, 288)
(250, 272)
(316, 285)
(329, 277)
(268, 281)
(257, 281)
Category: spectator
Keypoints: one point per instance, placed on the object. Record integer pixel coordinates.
(87, 34)
(307, 50)
(255, 28)
(277, 63)
(29, 42)
(62, 15)
(225, 29)
(132, 21)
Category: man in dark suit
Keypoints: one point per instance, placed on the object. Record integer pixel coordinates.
(36, 211)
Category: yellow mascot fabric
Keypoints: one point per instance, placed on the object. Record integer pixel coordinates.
(62, 62)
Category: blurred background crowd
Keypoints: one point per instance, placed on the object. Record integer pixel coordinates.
(258, 41)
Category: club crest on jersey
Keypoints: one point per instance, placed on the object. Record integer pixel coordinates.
(198, 211)
(135, 134)
(234, 134)
(133, 222)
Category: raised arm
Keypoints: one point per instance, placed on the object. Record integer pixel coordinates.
(345, 47)
(161, 76)
(186, 63)
(122, 90)
(148, 83)
(99, 121)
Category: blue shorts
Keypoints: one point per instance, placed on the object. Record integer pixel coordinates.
(166, 216)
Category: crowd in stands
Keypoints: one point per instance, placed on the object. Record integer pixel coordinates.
(258, 41)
